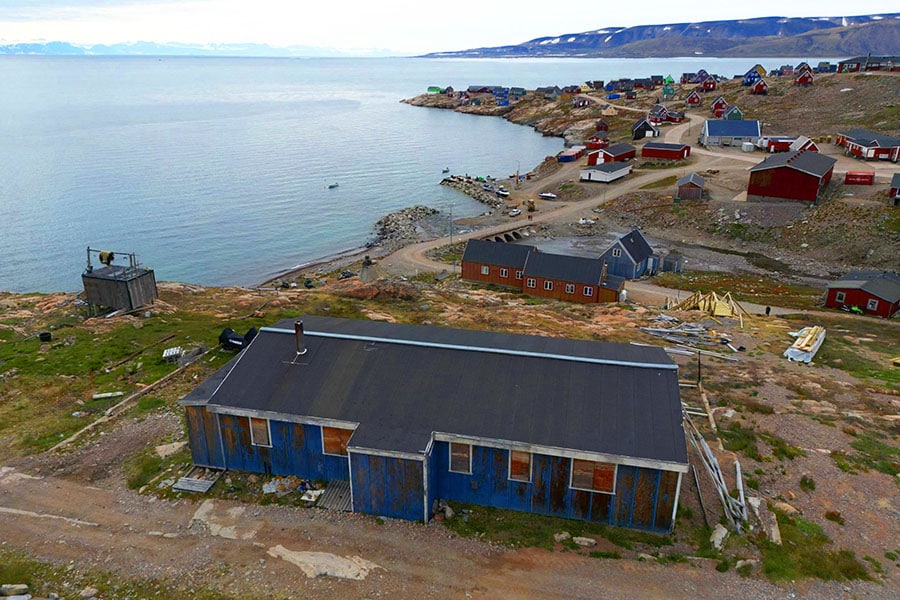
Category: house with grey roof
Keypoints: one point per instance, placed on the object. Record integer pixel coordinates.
(630, 256)
(868, 145)
(800, 176)
(403, 415)
(689, 187)
(874, 292)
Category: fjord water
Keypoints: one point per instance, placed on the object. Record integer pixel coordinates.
(215, 170)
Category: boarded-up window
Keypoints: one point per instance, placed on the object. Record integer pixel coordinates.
(334, 440)
(593, 476)
(259, 432)
(519, 465)
(460, 458)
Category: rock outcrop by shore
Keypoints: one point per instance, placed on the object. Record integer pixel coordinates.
(474, 189)
(399, 228)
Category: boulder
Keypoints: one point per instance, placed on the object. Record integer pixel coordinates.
(562, 536)
(718, 537)
(13, 589)
(585, 541)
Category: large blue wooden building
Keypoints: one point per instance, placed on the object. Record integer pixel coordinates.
(409, 414)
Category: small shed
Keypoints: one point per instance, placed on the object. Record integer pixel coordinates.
(693, 99)
(643, 129)
(602, 125)
(690, 187)
(733, 113)
(805, 79)
(894, 194)
(673, 262)
(116, 286)
(605, 172)
(804, 143)
(759, 88)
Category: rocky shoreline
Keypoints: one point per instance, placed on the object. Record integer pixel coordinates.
(474, 189)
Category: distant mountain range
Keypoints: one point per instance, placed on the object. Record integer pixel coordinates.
(174, 49)
(765, 36)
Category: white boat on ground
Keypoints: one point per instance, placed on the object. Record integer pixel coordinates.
(547, 196)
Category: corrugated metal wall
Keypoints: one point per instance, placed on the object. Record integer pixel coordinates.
(392, 487)
(644, 498)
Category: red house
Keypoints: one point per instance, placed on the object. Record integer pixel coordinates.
(719, 106)
(693, 99)
(708, 84)
(794, 176)
(495, 262)
(665, 151)
(805, 78)
(614, 153)
(570, 278)
(760, 88)
(862, 143)
(601, 125)
(875, 292)
(597, 141)
(804, 143)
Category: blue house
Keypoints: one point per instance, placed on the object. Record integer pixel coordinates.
(630, 257)
(410, 414)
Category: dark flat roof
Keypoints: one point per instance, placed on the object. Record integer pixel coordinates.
(497, 253)
(400, 383)
(619, 149)
(664, 146)
(576, 269)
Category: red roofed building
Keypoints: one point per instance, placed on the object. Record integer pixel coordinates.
(793, 176)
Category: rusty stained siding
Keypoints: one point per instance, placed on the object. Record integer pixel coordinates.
(388, 486)
(296, 450)
(644, 497)
(203, 435)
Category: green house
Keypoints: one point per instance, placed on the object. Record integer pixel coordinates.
(733, 114)
(435, 89)
(668, 92)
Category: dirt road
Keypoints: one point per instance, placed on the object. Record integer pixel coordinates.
(229, 547)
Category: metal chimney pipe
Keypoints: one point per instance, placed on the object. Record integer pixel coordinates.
(298, 336)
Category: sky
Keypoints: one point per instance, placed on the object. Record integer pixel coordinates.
(398, 27)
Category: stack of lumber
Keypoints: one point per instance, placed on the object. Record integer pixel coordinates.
(808, 342)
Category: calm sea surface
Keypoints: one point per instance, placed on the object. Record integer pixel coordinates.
(214, 171)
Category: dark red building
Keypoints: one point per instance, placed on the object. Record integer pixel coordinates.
(570, 278)
(665, 151)
(495, 262)
(874, 292)
(760, 88)
(799, 176)
(614, 153)
(862, 143)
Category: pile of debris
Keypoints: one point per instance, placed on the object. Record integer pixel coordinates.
(282, 486)
(808, 342)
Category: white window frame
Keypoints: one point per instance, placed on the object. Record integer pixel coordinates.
(548, 285)
(872, 304)
(253, 441)
(504, 273)
(588, 291)
(519, 274)
(570, 288)
(485, 270)
(616, 252)
(531, 282)
(840, 297)
(450, 457)
(572, 476)
(530, 466)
